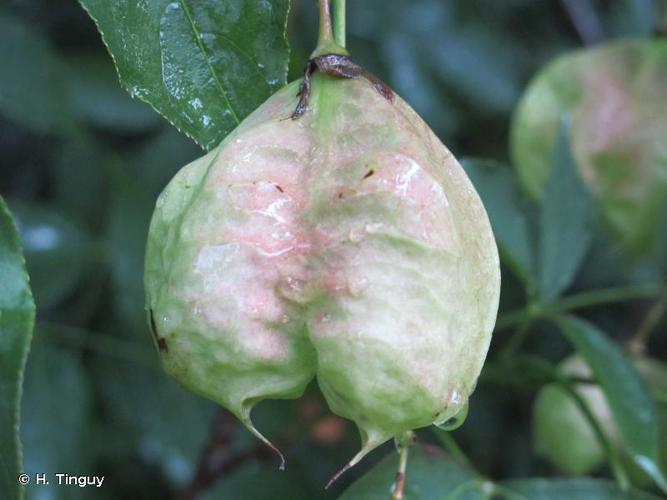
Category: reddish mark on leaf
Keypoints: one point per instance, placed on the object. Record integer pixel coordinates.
(160, 341)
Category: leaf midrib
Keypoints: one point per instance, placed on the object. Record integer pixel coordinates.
(203, 50)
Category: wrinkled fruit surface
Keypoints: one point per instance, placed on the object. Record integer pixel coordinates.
(562, 432)
(617, 99)
(347, 244)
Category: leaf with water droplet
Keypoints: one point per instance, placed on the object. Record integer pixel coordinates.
(204, 65)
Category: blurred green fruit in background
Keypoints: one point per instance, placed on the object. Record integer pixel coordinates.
(616, 97)
(563, 435)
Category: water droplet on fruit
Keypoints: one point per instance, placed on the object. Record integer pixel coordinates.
(449, 423)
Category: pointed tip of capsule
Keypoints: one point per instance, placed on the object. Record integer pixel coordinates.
(373, 440)
(335, 477)
(249, 425)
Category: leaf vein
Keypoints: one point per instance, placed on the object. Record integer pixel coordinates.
(203, 50)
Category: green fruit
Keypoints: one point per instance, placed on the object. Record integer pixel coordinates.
(562, 433)
(617, 98)
(347, 244)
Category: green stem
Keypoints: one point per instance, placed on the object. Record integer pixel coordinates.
(617, 469)
(326, 44)
(326, 32)
(637, 344)
(578, 301)
(339, 22)
(450, 444)
(403, 446)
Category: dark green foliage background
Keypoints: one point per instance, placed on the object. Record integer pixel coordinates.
(81, 165)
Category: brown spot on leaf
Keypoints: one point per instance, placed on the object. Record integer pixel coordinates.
(369, 173)
(160, 341)
(279, 188)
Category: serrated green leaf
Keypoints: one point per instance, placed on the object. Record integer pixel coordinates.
(17, 316)
(33, 88)
(566, 221)
(507, 211)
(431, 475)
(204, 65)
(572, 489)
(629, 398)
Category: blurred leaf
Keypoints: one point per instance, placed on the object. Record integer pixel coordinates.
(204, 65)
(79, 182)
(98, 99)
(472, 64)
(263, 480)
(629, 398)
(56, 418)
(165, 424)
(17, 316)
(129, 217)
(33, 88)
(633, 17)
(412, 78)
(55, 248)
(503, 202)
(566, 221)
(159, 158)
(430, 475)
(526, 372)
(572, 489)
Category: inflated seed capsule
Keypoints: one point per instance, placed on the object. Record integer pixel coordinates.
(347, 243)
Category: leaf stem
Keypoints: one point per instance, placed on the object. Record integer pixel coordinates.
(617, 469)
(339, 22)
(578, 301)
(637, 344)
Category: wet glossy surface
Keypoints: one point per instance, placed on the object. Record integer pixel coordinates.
(347, 244)
(211, 65)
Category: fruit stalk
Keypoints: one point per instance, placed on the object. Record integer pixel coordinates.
(339, 21)
(403, 445)
(326, 43)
